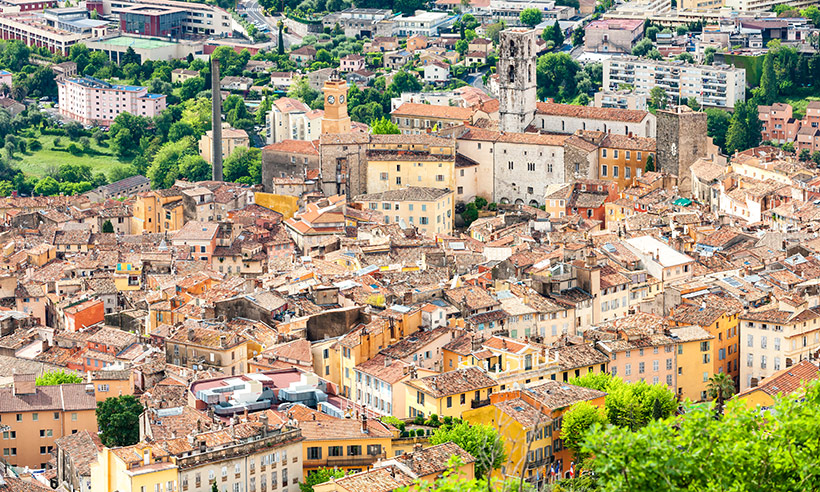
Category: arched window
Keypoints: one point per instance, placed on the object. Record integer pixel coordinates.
(512, 74)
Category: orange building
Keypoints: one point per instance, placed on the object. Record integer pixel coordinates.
(82, 315)
(622, 158)
(157, 211)
(719, 316)
(109, 384)
(34, 417)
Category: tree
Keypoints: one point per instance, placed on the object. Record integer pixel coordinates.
(642, 47)
(214, 487)
(577, 421)
(492, 31)
(812, 12)
(709, 55)
(321, 475)
(405, 82)
(56, 378)
(658, 98)
(462, 45)
(768, 82)
(651, 32)
(694, 451)
(481, 441)
(47, 186)
(164, 169)
(720, 387)
(717, 124)
(244, 165)
(554, 34)
(470, 213)
(118, 420)
(530, 17)
(805, 155)
(650, 164)
(280, 46)
(191, 87)
(384, 126)
(686, 57)
(126, 133)
(556, 76)
(693, 104)
(578, 37)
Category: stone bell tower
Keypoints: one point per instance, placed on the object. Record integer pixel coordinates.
(336, 119)
(516, 78)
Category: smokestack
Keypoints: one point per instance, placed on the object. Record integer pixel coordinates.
(216, 121)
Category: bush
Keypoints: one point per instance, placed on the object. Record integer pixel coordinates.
(397, 423)
(74, 149)
(492, 206)
(411, 433)
(419, 420)
(480, 202)
(57, 142)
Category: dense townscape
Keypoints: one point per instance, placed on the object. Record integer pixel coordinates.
(323, 246)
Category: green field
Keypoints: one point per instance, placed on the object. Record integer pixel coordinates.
(799, 99)
(43, 161)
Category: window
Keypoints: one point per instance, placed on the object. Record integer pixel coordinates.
(628, 369)
(530, 166)
(355, 450)
(463, 398)
(668, 364)
(628, 155)
(763, 362)
(604, 171)
(615, 153)
(750, 360)
(655, 365)
(603, 152)
(335, 451)
(750, 340)
(669, 380)
(614, 171)
(763, 342)
(627, 172)
(314, 453)
(641, 367)
(777, 343)
(420, 398)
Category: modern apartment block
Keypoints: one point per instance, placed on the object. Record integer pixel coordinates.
(718, 86)
(423, 23)
(778, 123)
(34, 30)
(96, 102)
(163, 16)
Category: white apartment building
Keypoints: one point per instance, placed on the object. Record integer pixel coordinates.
(773, 340)
(766, 5)
(92, 101)
(290, 119)
(422, 23)
(718, 86)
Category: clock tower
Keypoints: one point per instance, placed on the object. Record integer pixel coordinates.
(336, 119)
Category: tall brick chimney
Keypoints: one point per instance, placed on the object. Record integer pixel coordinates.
(216, 121)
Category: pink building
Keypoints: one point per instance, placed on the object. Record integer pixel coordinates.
(778, 123)
(351, 63)
(650, 358)
(5, 78)
(95, 102)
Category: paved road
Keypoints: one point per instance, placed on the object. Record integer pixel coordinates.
(477, 80)
(256, 15)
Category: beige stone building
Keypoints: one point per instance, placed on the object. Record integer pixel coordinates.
(232, 139)
(430, 210)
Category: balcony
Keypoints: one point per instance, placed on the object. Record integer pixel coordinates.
(341, 461)
(479, 403)
(537, 463)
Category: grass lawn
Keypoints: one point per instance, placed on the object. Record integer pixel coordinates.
(39, 163)
(799, 99)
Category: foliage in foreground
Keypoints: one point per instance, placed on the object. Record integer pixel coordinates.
(744, 450)
(54, 378)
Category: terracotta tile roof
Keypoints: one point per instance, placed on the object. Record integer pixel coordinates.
(557, 395)
(474, 297)
(788, 380)
(385, 368)
(305, 147)
(327, 428)
(533, 138)
(591, 113)
(197, 231)
(625, 142)
(577, 356)
(522, 412)
(113, 337)
(433, 460)
(410, 193)
(67, 397)
(296, 350)
(433, 111)
(382, 479)
(82, 448)
(454, 382)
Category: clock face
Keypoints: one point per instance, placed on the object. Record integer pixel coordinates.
(341, 99)
(331, 99)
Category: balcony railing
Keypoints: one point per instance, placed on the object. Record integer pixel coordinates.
(338, 461)
(479, 403)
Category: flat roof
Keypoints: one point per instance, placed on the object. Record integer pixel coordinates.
(141, 43)
(667, 255)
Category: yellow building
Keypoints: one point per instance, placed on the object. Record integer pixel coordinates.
(348, 444)
(622, 158)
(430, 210)
(397, 161)
(448, 394)
(108, 384)
(526, 430)
(694, 358)
(139, 468)
(157, 211)
(128, 276)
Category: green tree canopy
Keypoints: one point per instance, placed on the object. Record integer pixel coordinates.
(55, 378)
(321, 475)
(576, 423)
(481, 441)
(47, 186)
(530, 17)
(118, 420)
(384, 126)
(695, 451)
(244, 165)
